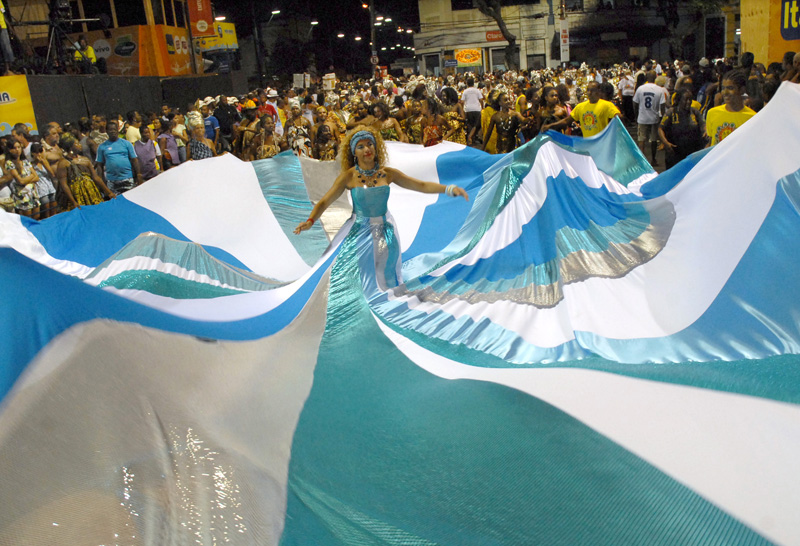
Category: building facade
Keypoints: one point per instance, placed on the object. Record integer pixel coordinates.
(599, 32)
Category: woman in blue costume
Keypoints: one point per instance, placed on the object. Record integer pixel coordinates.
(364, 173)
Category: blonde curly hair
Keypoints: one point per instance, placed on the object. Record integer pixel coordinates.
(346, 156)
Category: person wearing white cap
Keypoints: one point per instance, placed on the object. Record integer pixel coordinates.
(272, 100)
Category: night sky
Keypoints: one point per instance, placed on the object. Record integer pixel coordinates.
(334, 16)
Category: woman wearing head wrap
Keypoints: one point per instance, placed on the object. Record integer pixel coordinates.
(297, 131)
(199, 146)
(370, 230)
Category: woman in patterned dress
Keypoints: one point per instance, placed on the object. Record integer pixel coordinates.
(77, 178)
(415, 123)
(388, 126)
(266, 143)
(297, 132)
(455, 116)
(433, 131)
(23, 188)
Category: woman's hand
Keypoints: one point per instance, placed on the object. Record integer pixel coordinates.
(303, 226)
(460, 192)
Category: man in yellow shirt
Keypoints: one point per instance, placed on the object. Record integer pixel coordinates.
(723, 120)
(5, 42)
(85, 56)
(593, 114)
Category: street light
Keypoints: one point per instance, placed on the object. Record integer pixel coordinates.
(340, 35)
(219, 18)
(358, 38)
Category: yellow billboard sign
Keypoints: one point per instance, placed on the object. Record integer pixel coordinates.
(16, 105)
(224, 38)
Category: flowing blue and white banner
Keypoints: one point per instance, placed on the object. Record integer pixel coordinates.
(585, 352)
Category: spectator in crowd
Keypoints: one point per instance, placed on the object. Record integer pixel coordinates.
(148, 153)
(722, 120)
(266, 144)
(46, 185)
(88, 145)
(85, 57)
(415, 123)
(594, 114)
(325, 145)
(227, 115)
(455, 116)
(23, 187)
(211, 124)
(507, 123)
(272, 101)
(682, 130)
(20, 134)
(433, 132)
(98, 133)
(166, 110)
(626, 88)
(167, 143)
(388, 127)
(6, 196)
(650, 101)
(472, 99)
(117, 160)
(181, 136)
(5, 43)
(550, 109)
(199, 146)
(297, 132)
(79, 182)
(247, 129)
(361, 116)
(491, 108)
(132, 133)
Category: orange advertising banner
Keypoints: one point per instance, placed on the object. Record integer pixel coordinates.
(164, 51)
(201, 18)
(494, 36)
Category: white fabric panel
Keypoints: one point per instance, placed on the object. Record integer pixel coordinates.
(729, 448)
(151, 446)
(227, 190)
(14, 235)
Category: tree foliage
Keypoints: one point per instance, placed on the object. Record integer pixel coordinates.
(494, 9)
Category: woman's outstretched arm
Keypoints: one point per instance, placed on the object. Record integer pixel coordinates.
(409, 183)
(332, 195)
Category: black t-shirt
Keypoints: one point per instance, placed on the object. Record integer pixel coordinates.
(226, 115)
(684, 129)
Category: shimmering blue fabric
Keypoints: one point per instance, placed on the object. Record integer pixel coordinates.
(281, 181)
(613, 151)
(189, 256)
(370, 202)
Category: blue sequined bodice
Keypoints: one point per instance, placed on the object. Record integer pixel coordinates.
(370, 202)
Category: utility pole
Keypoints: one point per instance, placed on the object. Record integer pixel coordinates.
(257, 44)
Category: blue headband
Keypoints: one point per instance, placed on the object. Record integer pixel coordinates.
(361, 135)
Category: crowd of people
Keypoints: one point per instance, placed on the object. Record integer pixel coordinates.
(677, 106)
